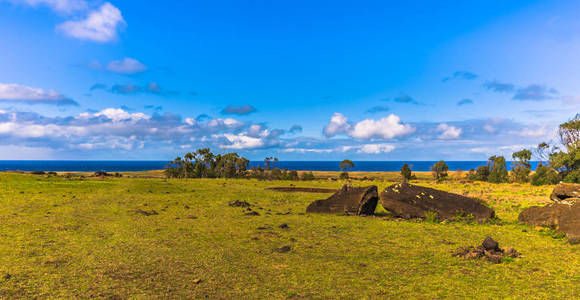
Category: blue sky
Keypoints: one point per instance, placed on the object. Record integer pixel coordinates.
(299, 80)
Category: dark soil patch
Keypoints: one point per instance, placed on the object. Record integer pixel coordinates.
(252, 213)
(147, 213)
(302, 190)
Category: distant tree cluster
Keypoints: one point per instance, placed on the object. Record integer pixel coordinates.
(205, 164)
(558, 161)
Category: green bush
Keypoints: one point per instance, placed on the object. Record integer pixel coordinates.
(439, 170)
(545, 175)
(406, 172)
(293, 175)
(307, 176)
(344, 176)
(573, 177)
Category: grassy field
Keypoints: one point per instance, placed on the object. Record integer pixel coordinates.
(84, 237)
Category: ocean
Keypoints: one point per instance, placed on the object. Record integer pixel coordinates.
(134, 165)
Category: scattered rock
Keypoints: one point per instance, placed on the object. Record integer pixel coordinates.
(190, 217)
(293, 189)
(282, 249)
(349, 200)
(410, 201)
(147, 213)
(197, 281)
(284, 226)
(7, 276)
(252, 213)
(488, 250)
(186, 207)
(239, 203)
(264, 228)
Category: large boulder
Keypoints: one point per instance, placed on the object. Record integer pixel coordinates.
(411, 201)
(566, 193)
(348, 200)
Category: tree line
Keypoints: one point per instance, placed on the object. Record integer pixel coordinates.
(559, 161)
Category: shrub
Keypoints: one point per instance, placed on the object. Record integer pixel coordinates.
(344, 176)
(482, 173)
(307, 176)
(573, 177)
(276, 174)
(439, 170)
(406, 172)
(545, 175)
(292, 175)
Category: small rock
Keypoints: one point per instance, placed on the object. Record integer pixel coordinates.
(282, 249)
(147, 213)
(284, 226)
(7, 276)
(252, 213)
(186, 207)
(190, 217)
(197, 281)
(490, 244)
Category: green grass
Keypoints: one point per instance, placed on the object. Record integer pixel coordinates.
(63, 238)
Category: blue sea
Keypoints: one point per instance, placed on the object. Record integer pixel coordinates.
(134, 165)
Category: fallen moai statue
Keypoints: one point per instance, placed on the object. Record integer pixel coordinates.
(563, 215)
(348, 200)
(411, 201)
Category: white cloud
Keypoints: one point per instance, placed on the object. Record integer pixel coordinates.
(126, 66)
(242, 141)
(338, 124)
(11, 92)
(117, 114)
(100, 25)
(61, 6)
(306, 150)
(448, 132)
(370, 148)
(386, 128)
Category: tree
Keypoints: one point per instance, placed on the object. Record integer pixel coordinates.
(406, 172)
(498, 172)
(346, 164)
(439, 170)
(565, 157)
(344, 176)
(521, 165)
